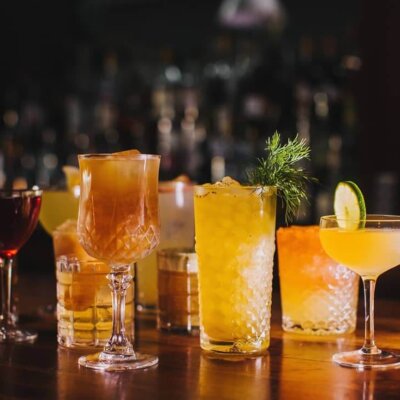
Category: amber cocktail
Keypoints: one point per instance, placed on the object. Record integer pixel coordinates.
(118, 224)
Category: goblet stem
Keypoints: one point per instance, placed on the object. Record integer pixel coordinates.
(369, 347)
(119, 281)
(6, 320)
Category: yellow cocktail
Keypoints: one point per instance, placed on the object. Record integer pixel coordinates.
(369, 252)
(57, 207)
(235, 245)
(60, 205)
(369, 245)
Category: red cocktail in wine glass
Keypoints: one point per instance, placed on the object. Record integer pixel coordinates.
(19, 212)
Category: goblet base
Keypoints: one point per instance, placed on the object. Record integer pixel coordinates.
(15, 335)
(358, 359)
(106, 362)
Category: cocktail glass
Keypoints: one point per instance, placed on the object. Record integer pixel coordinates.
(118, 224)
(369, 251)
(19, 213)
(235, 245)
(177, 230)
(319, 296)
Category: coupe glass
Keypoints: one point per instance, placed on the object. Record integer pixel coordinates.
(118, 224)
(19, 212)
(369, 250)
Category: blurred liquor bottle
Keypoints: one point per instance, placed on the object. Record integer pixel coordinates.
(106, 136)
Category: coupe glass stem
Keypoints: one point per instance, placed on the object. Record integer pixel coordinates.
(369, 346)
(6, 320)
(119, 281)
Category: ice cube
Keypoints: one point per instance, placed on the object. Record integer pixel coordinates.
(227, 181)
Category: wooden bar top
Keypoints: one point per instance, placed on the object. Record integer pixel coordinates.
(296, 366)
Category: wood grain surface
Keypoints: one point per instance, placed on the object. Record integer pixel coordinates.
(296, 367)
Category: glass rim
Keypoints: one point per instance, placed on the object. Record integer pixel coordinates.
(213, 186)
(13, 192)
(176, 251)
(368, 218)
(107, 156)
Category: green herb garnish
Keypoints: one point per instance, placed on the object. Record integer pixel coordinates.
(279, 168)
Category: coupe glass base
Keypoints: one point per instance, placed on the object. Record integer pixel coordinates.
(358, 359)
(105, 362)
(15, 335)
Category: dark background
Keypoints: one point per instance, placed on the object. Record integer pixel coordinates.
(80, 76)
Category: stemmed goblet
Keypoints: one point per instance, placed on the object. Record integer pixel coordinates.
(118, 224)
(19, 213)
(370, 247)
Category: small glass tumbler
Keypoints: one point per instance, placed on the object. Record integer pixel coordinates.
(84, 303)
(178, 297)
(319, 296)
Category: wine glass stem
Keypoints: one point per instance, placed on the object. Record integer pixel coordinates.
(369, 346)
(6, 319)
(119, 282)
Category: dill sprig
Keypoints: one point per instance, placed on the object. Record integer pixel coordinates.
(279, 168)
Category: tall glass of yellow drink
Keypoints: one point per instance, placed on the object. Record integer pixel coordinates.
(369, 247)
(118, 224)
(319, 296)
(235, 245)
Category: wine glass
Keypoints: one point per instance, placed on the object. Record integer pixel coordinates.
(118, 223)
(369, 251)
(19, 213)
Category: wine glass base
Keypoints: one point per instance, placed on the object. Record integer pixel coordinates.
(358, 359)
(14, 335)
(117, 363)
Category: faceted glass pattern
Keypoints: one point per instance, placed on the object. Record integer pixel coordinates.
(235, 244)
(319, 296)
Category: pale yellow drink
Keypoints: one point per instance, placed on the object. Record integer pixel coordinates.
(235, 245)
(369, 252)
(57, 207)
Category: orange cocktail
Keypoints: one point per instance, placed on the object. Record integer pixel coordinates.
(319, 296)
